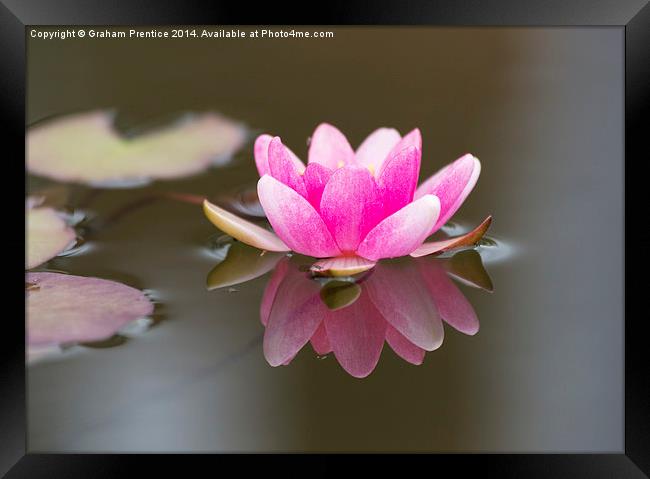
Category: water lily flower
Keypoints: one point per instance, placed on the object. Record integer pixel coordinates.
(352, 208)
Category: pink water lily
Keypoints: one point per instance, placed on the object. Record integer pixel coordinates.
(352, 208)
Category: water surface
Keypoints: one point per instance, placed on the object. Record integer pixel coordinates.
(541, 108)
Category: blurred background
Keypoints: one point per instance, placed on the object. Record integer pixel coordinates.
(543, 110)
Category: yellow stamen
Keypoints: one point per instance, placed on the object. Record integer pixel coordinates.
(340, 164)
(371, 169)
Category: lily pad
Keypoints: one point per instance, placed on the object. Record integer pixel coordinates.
(47, 236)
(86, 148)
(64, 309)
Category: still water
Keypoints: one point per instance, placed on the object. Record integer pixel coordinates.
(542, 366)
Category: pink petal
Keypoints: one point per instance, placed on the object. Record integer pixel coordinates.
(295, 220)
(316, 177)
(402, 232)
(261, 153)
(399, 294)
(284, 169)
(452, 185)
(356, 334)
(454, 308)
(468, 239)
(320, 342)
(398, 179)
(350, 206)
(295, 315)
(375, 148)
(330, 147)
(243, 230)
(403, 347)
(412, 138)
(342, 266)
(271, 289)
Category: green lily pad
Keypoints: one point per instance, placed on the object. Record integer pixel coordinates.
(86, 148)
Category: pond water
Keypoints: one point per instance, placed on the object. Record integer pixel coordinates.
(542, 366)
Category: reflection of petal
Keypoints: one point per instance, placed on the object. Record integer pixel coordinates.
(356, 334)
(403, 347)
(296, 313)
(320, 342)
(452, 305)
(468, 239)
(242, 263)
(399, 294)
(467, 267)
(243, 230)
(271, 290)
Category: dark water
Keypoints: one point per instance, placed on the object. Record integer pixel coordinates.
(541, 108)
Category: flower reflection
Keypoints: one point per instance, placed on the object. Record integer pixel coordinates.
(402, 302)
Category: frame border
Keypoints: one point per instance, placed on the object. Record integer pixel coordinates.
(632, 15)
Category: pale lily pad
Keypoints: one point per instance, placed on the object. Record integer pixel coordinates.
(64, 309)
(242, 263)
(86, 148)
(47, 235)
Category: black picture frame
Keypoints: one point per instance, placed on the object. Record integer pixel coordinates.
(631, 15)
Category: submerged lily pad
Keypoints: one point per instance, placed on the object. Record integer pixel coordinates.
(47, 236)
(63, 308)
(86, 148)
